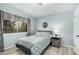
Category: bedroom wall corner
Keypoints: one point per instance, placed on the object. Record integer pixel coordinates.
(65, 21)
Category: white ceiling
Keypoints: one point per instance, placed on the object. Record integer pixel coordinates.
(38, 11)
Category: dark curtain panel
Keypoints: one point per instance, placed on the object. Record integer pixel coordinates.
(1, 32)
(29, 28)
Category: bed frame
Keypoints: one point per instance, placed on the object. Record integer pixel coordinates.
(24, 49)
(28, 51)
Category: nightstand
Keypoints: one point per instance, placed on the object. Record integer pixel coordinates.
(56, 41)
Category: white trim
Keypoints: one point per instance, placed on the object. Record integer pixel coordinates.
(9, 47)
(67, 45)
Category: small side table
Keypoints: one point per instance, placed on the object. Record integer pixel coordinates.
(56, 41)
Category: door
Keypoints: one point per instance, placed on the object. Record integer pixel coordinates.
(76, 31)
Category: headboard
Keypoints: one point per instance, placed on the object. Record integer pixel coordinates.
(45, 31)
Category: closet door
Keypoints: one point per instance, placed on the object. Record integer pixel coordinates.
(1, 32)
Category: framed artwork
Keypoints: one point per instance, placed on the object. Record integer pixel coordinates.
(45, 25)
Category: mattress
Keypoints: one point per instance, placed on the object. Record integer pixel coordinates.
(35, 43)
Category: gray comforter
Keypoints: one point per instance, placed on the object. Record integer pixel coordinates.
(35, 43)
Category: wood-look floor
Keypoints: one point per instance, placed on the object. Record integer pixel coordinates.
(50, 51)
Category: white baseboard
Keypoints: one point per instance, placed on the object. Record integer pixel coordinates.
(9, 47)
(76, 50)
(67, 45)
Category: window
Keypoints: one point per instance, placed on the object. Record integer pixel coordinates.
(13, 23)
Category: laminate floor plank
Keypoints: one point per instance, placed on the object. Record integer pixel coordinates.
(49, 51)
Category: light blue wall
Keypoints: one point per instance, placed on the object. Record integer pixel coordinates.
(11, 38)
(64, 20)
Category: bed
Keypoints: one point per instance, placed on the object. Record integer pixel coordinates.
(35, 44)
